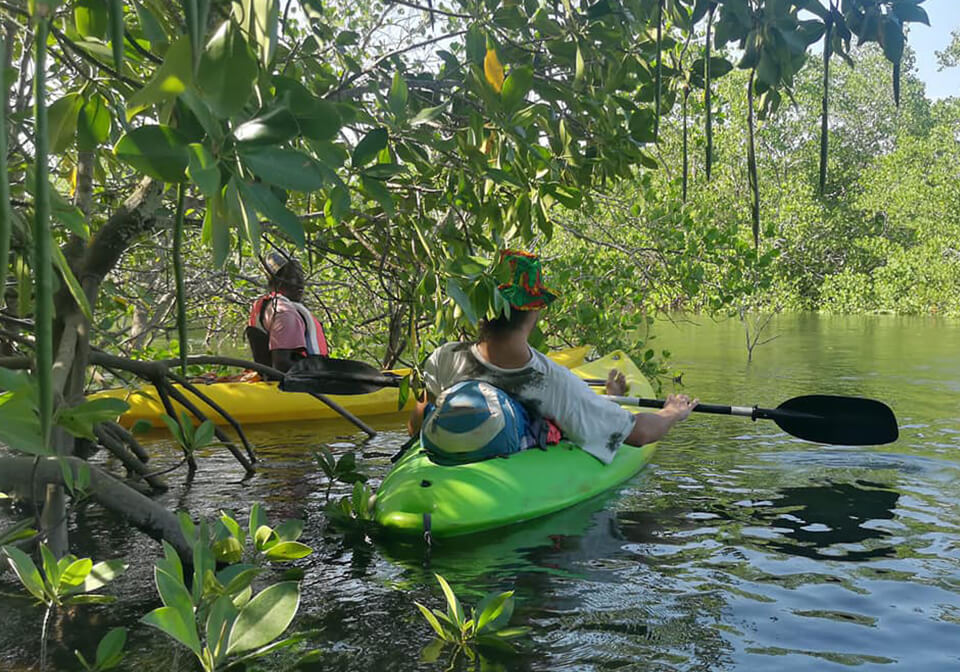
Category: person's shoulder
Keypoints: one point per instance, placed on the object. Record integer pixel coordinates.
(449, 351)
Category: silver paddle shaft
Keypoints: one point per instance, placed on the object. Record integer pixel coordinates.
(744, 411)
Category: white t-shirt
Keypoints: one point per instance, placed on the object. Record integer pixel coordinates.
(595, 424)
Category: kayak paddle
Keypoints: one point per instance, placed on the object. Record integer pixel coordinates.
(335, 376)
(849, 421)
(821, 418)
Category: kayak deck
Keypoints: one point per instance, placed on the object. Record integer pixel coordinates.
(469, 498)
(263, 402)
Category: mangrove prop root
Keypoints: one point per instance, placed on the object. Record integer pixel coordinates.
(181, 399)
(142, 512)
(132, 464)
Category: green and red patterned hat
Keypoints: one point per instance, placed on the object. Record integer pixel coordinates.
(525, 290)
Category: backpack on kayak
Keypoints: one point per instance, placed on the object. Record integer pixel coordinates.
(473, 421)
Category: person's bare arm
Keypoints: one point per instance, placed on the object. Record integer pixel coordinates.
(416, 416)
(650, 427)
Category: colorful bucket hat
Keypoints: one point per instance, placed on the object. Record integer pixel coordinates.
(525, 290)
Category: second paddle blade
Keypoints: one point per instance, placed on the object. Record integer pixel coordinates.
(320, 375)
(846, 421)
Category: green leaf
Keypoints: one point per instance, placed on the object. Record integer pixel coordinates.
(62, 122)
(240, 211)
(286, 168)
(267, 204)
(581, 68)
(102, 574)
(908, 11)
(93, 123)
(203, 169)
(318, 119)
(74, 574)
(141, 426)
(516, 87)
(51, 569)
(175, 430)
(457, 293)
(204, 434)
(368, 148)
(454, 609)
(476, 44)
(273, 128)
(79, 420)
(378, 192)
(110, 648)
(288, 550)
(172, 622)
(427, 115)
(399, 93)
(150, 25)
(216, 230)
(219, 623)
(264, 537)
(891, 39)
(432, 620)
(289, 530)
(171, 78)
(265, 617)
(60, 262)
(228, 70)
(20, 425)
(261, 20)
(90, 18)
(26, 571)
(258, 519)
(642, 124)
(403, 393)
(241, 580)
(170, 562)
(495, 611)
(157, 151)
(228, 550)
(347, 37)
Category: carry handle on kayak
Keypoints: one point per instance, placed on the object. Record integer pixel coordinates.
(821, 418)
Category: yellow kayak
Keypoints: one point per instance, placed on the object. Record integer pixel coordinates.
(251, 403)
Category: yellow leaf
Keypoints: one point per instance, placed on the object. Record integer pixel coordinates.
(493, 70)
(73, 182)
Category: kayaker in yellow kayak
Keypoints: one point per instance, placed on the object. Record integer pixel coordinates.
(282, 330)
(502, 359)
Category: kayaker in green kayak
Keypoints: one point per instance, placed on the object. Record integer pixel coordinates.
(280, 329)
(503, 358)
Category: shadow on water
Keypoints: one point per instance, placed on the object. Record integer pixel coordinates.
(819, 521)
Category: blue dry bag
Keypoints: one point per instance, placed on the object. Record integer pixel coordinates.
(474, 421)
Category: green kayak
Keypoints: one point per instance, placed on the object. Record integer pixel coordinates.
(462, 499)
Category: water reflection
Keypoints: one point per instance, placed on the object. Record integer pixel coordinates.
(823, 522)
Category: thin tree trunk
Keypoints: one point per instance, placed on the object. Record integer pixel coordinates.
(825, 116)
(752, 160)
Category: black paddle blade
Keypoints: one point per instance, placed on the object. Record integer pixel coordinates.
(319, 375)
(847, 421)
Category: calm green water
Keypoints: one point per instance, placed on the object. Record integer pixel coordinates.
(739, 548)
